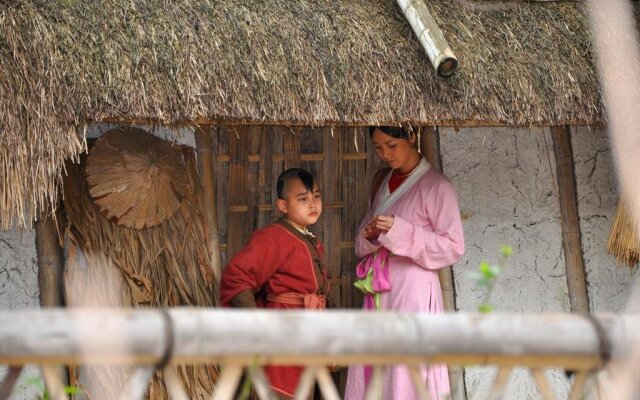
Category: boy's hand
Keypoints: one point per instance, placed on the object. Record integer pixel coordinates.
(244, 299)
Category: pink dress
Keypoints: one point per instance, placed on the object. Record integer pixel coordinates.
(426, 235)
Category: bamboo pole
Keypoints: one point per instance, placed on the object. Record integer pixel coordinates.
(430, 147)
(258, 337)
(50, 260)
(574, 263)
(51, 281)
(207, 180)
(430, 36)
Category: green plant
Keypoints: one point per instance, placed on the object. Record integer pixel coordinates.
(43, 394)
(487, 275)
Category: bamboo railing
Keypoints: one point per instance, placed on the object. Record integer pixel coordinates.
(154, 340)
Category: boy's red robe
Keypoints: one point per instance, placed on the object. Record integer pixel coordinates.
(278, 260)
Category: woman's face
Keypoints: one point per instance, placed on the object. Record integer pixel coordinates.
(397, 153)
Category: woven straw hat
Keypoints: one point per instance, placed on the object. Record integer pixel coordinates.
(136, 179)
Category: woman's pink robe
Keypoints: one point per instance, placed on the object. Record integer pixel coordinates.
(426, 235)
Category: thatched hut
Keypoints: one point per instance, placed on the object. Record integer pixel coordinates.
(256, 87)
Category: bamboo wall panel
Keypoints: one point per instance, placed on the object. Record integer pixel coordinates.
(238, 187)
(248, 160)
(221, 171)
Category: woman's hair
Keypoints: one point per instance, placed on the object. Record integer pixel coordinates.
(293, 173)
(397, 132)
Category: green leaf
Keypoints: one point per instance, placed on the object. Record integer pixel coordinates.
(484, 267)
(72, 390)
(485, 308)
(506, 250)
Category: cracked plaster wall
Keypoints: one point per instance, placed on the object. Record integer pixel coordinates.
(506, 184)
(19, 289)
(609, 284)
(18, 270)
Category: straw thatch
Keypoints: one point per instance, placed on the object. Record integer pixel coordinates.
(309, 62)
(167, 265)
(136, 179)
(623, 242)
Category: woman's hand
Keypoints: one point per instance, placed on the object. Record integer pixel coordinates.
(379, 224)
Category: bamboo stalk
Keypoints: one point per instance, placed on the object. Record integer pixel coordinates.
(53, 382)
(579, 383)
(500, 383)
(327, 387)
(261, 383)
(207, 180)
(305, 385)
(256, 337)
(419, 383)
(374, 389)
(138, 383)
(572, 244)
(228, 382)
(50, 260)
(430, 36)
(542, 383)
(174, 384)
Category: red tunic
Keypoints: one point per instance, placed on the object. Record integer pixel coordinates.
(277, 260)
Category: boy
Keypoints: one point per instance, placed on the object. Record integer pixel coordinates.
(281, 267)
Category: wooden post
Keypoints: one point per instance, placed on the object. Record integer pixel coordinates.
(430, 148)
(574, 263)
(50, 260)
(51, 274)
(207, 180)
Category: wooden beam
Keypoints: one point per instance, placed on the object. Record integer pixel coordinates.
(207, 180)
(430, 148)
(50, 259)
(335, 123)
(574, 264)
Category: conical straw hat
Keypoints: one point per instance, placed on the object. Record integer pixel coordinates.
(136, 179)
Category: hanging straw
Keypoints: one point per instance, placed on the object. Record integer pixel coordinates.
(623, 242)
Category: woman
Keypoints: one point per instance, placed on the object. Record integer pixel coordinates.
(412, 229)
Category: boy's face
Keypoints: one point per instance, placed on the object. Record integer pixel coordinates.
(301, 206)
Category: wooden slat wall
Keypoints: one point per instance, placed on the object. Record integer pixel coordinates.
(248, 160)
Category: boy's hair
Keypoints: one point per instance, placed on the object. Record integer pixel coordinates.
(294, 173)
(397, 132)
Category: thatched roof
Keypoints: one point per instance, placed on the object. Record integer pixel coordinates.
(310, 62)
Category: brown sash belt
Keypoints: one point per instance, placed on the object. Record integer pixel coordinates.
(308, 301)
